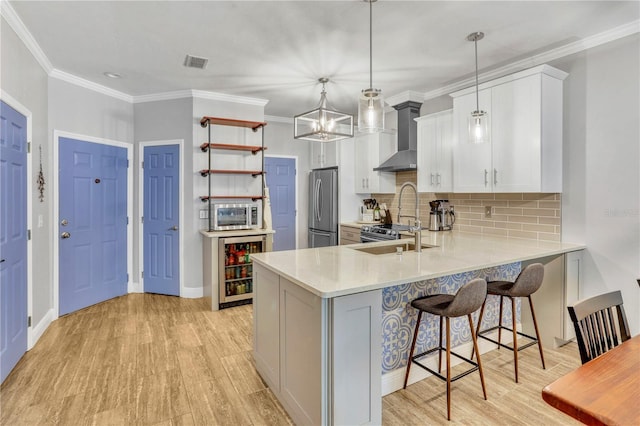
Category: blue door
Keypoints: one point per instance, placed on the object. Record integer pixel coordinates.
(281, 181)
(161, 218)
(13, 238)
(93, 223)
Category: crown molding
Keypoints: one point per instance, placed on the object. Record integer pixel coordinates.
(214, 96)
(277, 119)
(542, 58)
(8, 12)
(164, 96)
(200, 94)
(87, 84)
(408, 95)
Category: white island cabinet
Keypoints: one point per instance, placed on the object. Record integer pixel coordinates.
(320, 357)
(318, 314)
(524, 152)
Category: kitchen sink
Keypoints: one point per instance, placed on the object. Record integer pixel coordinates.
(406, 246)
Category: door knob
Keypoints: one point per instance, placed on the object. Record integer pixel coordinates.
(2, 261)
(65, 235)
(64, 222)
(173, 228)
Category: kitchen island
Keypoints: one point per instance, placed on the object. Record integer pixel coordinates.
(318, 314)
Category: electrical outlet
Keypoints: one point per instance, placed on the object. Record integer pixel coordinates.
(204, 214)
(487, 211)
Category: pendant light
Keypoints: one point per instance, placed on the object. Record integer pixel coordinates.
(478, 120)
(371, 102)
(323, 124)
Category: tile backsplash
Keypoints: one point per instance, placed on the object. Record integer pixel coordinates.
(521, 215)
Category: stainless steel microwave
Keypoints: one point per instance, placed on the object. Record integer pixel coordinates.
(236, 216)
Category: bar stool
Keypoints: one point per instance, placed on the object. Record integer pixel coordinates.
(527, 283)
(468, 299)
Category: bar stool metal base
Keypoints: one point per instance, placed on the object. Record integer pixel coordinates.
(415, 358)
(515, 348)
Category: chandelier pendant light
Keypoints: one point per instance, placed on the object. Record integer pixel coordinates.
(478, 120)
(323, 124)
(371, 102)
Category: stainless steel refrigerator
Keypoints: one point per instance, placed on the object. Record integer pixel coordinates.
(323, 207)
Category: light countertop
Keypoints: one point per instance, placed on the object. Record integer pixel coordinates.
(340, 270)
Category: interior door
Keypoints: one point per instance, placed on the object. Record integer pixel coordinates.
(281, 181)
(93, 223)
(161, 218)
(13, 238)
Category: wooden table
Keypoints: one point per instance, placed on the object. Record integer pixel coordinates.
(604, 391)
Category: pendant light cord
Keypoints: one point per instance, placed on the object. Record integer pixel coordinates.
(475, 43)
(371, 44)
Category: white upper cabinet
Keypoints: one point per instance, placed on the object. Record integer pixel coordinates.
(324, 154)
(525, 132)
(371, 149)
(435, 165)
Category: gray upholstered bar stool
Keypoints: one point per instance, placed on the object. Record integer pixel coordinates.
(467, 300)
(527, 283)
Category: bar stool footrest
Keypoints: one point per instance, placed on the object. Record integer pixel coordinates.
(437, 374)
(526, 345)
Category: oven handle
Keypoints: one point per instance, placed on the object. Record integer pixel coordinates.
(364, 239)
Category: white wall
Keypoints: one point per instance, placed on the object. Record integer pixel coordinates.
(25, 81)
(280, 142)
(601, 190)
(155, 121)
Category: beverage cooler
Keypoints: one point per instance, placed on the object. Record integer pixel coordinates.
(236, 268)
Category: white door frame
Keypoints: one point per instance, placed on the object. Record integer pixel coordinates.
(13, 103)
(55, 185)
(296, 187)
(141, 147)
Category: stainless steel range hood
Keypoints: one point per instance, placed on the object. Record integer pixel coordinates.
(407, 156)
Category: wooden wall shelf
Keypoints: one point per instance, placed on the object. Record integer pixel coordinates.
(206, 198)
(254, 149)
(254, 173)
(253, 125)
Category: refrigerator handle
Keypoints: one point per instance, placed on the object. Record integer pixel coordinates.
(319, 205)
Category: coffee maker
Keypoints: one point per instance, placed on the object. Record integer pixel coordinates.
(442, 216)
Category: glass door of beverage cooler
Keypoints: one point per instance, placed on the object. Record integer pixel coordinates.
(236, 268)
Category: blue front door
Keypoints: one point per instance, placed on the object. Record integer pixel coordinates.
(92, 233)
(281, 181)
(160, 220)
(13, 238)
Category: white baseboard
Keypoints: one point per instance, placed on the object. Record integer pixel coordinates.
(394, 380)
(38, 330)
(135, 287)
(192, 292)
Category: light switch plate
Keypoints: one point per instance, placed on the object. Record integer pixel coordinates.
(204, 214)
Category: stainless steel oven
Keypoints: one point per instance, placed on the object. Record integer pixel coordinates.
(383, 232)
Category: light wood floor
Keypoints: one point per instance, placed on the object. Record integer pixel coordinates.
(149, 359)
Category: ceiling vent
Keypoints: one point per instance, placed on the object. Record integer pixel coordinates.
(195, 62)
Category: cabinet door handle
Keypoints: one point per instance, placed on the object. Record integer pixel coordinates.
(367, 183)
(439, 180)
(495, 176)
(486, 174)
(431, 178)
(363, 183)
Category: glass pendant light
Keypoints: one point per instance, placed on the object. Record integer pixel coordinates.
(478, 120)
(371, 102)
(323, 124)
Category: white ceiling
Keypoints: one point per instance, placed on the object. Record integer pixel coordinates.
(277, 50)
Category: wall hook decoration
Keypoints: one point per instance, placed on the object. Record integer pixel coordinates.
(41, 178)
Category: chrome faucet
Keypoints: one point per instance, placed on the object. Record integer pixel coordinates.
(417, 228)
